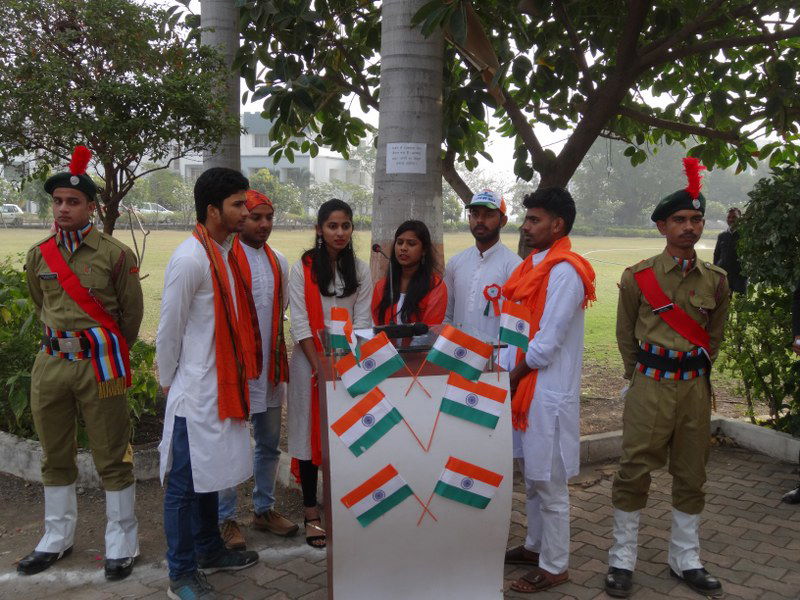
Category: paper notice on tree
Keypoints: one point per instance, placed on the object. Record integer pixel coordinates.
(405, 157)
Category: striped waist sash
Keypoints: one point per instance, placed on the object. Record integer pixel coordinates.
(104, 352)
(662, 363)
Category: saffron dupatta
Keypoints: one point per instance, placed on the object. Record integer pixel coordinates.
(236, 335)
(527, 285)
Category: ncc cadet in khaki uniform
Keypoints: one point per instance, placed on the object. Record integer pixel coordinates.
(670, 319)
(90, 319)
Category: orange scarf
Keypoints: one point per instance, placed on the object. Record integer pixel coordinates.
(278, 367)
(528, 286)
(316, 321)
(235, 336)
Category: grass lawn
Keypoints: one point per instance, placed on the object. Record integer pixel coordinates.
(608, 255)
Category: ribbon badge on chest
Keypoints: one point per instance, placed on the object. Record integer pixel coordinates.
(492, 294)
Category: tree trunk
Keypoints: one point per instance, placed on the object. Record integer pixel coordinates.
(222, 17)
(410, 113)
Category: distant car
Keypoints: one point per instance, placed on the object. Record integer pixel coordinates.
(11, 214)
(154, 211)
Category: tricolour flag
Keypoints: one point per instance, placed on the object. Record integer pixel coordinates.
(341, 330)
(515, 325)
(366, 422)
(459, 352)
(379, 360)
(478, 402)
(377, 495)
(467, 483)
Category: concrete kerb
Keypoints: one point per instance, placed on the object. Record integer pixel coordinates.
(22, 458)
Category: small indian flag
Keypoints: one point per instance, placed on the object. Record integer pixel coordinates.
(515, 325)
(379, 360)
(366, 422)
(467, 483)
(377, 495)
(477, 402)
(459, 352)
(341, 330)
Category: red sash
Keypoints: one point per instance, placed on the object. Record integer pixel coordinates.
(84, 298)
(672, 314)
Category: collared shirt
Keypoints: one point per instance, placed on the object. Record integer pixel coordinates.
(187, 363)
(105, 266)
(263, 394)
(702, 292)
(466, 276)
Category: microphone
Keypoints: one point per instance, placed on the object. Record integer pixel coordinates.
(405, 330)
(377, 249)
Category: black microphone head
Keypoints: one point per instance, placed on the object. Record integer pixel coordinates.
(377, 248)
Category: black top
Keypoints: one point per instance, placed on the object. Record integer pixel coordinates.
(796, 312)
(725, 256)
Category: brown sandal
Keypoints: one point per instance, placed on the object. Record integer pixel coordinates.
(538, 580)
(519, 555)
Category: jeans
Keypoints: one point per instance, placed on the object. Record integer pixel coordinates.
(267, 434)
(190, 519)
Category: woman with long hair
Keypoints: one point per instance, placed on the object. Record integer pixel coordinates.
(327, 275)
(420, 295)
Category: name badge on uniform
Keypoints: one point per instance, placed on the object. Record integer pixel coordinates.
(48, 276)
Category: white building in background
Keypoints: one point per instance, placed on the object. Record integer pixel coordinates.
(326, 167)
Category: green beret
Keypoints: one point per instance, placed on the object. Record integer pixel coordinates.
(81, 183)
(680, 200)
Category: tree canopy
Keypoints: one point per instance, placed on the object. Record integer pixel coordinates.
(719, 77)
(122, 78)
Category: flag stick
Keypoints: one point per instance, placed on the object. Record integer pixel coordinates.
(414, 379)
(427, 504)
(416, 375)
(430, 440)
(415, 436)
(425, 509)
(333, 370)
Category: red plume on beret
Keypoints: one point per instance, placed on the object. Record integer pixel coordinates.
(80, 160)
(692, 168)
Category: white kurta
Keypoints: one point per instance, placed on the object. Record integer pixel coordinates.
(298, 405)
(466, 276)
(187, 364)
(263, 394)
(557, 351)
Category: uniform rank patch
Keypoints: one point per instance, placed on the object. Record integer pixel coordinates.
(134, 270)
(48, 276)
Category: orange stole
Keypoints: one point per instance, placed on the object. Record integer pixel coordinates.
(528, 286)
(234, 334)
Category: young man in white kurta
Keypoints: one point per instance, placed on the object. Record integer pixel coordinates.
(486, 263)
(201, 452)
(549, 448)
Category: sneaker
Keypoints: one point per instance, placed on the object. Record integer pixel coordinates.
(228, 560)
(193, 587)
(232, 535)
(274, 522)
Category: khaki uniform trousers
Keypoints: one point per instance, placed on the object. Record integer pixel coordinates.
(664, 419)
(59, 388)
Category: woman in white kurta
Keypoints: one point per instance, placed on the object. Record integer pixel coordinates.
(343, 281)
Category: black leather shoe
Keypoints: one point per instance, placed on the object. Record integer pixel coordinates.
(118, 568)
(700, 581)
(36, 561)
(619, 582)
(792, 497)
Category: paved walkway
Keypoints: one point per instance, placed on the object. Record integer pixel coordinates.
(750, 540)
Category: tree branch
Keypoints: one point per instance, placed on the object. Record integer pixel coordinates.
(452, 177)
(580, 57)
(524, 128)
(692, 27)
(653, 121)
(658, 58)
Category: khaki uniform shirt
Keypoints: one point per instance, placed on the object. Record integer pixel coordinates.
(106, 267)
(702, 293)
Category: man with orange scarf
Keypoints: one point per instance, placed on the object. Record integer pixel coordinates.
(207, 347)
(556, 285)
(266, 274)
